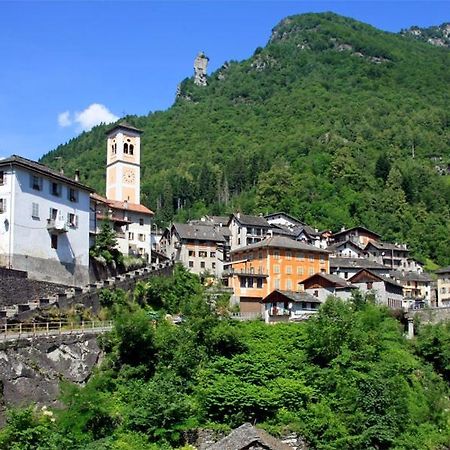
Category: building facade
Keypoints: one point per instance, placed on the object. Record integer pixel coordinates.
(44, 222)
(276, 262)
(443, 287)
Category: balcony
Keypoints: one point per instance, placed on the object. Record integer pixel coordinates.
(57, 226)
(244, 273)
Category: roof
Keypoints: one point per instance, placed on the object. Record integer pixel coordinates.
(246, 436)
(410, 276)
(253, 221)
(281, 242)
(376, 276)
(198, 232)
(282, 229)
(126, 126)
(341, 243)
(281, 213)
(42, 170)
(296, 297)
(443, 270)
(356, 263)
(387, 246)
(334, 280)
(217, 220)
(356, 228)
(127, 206)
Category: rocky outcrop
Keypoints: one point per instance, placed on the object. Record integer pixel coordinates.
(438, 36)
(31, 369)
(200, 69)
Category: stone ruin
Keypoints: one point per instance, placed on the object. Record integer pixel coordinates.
(200, 67)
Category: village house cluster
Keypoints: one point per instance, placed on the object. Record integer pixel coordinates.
(283, 269)
(48, 221)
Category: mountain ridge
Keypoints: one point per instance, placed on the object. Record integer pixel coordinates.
(304, 125)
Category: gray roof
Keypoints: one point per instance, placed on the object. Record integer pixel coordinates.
(217, 220)
(42, 170)
(281, 242)
(387, 246)
(387, 280)
(356, 263)
(198, 232)
(355, 228)
(252, 221)
(295, 296)
(338, 281)
(126, 126)
(247, 435)
(443, 270)
(281, 213)
(341, 243)
(410, 276)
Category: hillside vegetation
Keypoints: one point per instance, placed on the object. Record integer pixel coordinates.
(333, 121)
(345, 380)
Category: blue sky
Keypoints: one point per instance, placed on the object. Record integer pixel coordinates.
(67, 64)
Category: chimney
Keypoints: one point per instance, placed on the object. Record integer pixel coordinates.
(238, 215)
(61, 171)
(77, 175)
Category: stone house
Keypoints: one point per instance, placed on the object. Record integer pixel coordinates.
(44, 222)
(395, 256)
(359, 235)
(387, 291)
(200, 248)
(443, 286)
(347, 249)
(416, 286)
(322, 285)
(246, 230)
(347, 267)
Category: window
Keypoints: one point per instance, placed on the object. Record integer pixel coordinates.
(243, 282)
(191, 253)
(2, 177)
(213, 265)
(35, 210)
(239, 241)
(55, 189)
(259, 283)
(202, 254)
(276, 254)
(300, 271)
(125, 148)
(289, 285)
(316, 293)
(250, 282)
(141, 237)
(191, 264)
(202, 264)
(288, 255)
(212, 254)
(311, 271)
(73, 195)
(369, 285)
(276, 268)
(300, 256)
(36, 182)
(2, 205)
(131, 236)
(322, 258)
(277, 284)
(72, 220)
(141, 222)
(53, 215)
(311, 257)
(260, 255)
(131, 151)
(288, 269)
(54, 241)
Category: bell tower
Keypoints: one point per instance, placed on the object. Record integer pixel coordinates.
(123, 163)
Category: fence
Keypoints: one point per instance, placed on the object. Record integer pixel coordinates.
(15, 331)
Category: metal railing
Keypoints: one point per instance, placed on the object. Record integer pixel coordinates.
(22, 330)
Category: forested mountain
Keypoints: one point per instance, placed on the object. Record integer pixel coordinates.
(333, 121)
(435, 35)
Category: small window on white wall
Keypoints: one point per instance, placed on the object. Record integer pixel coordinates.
(2, 177)
(35, 210)
(2, 205)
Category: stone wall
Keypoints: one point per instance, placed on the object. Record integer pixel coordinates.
(430, 315)
(16, 288)
(31, 369)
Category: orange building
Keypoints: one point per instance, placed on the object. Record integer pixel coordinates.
(277, 262)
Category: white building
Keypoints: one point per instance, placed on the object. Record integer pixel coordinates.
(44, 222)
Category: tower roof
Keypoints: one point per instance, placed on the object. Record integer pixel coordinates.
(124, 125)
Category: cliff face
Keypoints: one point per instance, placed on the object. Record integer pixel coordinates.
(436, 35)
(31, 370)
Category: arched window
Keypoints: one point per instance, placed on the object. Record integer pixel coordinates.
(125, 148)
(131, 149)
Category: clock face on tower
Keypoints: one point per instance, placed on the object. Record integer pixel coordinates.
(128, 176)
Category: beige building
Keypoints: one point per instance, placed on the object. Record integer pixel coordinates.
(200, 248)
(443, 286)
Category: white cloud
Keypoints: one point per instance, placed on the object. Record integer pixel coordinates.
(93, 115)
(64, 119)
